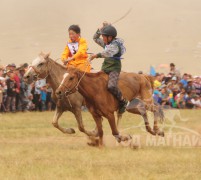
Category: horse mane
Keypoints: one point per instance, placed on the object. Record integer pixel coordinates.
(62, 66)
(47, 56)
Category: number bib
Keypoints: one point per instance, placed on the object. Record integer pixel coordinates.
(73, 47)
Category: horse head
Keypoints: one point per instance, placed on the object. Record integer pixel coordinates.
(69, 83)
(38, 68)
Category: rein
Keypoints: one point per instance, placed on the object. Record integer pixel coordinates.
(70, 91)
(38, 73)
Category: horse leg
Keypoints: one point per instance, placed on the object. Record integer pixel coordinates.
(78, 116)
(146, 95)
(98, 120)
(55, 120)
(138, 107)
(148, 128)
(158, 113)
(115, 132)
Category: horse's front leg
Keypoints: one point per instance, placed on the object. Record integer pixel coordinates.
(78, 116)
(113, 126)
(55, 120)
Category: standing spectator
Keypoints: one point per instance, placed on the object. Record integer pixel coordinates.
(11, 92)
(49, 98)
(37, 93)
(2, 86)
(11, 67)
(43, 97)
(174, 71)
(17, 80)
(23, 99)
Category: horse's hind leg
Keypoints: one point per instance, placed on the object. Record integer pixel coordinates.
(137, 106)
(158, 114)
(148, 128)
(55, 120)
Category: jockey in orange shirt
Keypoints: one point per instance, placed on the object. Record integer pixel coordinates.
(75, 52)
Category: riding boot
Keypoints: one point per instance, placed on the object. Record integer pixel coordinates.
(122, 106)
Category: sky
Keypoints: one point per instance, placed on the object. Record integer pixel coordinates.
(155, 32)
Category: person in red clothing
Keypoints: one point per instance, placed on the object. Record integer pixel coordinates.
(15, 74)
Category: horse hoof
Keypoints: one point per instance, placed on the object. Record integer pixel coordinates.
(126, 138)
(69, 131)
(91, 144)
(93, 141)
(118, 138)
(161, 133)
(72, 131)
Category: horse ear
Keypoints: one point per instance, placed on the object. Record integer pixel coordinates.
(41, 53)
(47, 56)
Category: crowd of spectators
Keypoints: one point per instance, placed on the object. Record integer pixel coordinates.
(176, 91)
(171, 90)
(16, 95)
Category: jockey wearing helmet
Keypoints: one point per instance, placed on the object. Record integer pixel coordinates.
(75, 52)
(113, 50)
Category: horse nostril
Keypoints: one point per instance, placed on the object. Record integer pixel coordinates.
(58, 92)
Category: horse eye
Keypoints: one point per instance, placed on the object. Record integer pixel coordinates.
(40, 64)
(71, 78)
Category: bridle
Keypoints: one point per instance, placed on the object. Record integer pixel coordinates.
(74, 88)
(38, 73)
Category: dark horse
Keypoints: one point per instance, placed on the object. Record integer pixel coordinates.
(135, 88)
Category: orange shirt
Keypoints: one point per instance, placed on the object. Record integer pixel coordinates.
(80, 57)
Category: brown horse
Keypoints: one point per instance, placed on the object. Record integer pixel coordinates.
(44, 67)
(101, 103)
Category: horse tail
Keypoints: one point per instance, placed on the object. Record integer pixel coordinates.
(151, 80)
(159, 107)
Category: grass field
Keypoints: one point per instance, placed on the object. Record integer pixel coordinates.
(31, 148)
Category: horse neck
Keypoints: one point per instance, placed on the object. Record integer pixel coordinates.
(56, 72)
(88, 91)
